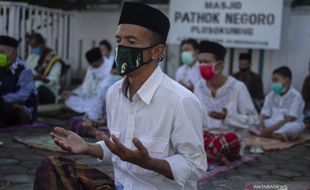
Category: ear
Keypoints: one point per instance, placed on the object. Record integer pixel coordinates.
(221, 65)
(158, 51)
(13, 56)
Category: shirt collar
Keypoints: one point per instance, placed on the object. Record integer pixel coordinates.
(15, 65)
(147, 90)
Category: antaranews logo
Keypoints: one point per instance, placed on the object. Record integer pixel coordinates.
(266, 187)
(269, 185)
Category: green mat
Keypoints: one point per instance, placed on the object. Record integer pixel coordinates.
(44, 142)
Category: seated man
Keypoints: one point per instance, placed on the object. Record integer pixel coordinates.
(188, 74)
(87, 125)
(252, 80)
(306, 96)
(282, 113)
(18, 100)
(47, 67)
(228, 110)
(83, 98)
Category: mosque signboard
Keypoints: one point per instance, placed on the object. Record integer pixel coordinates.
(254, 24)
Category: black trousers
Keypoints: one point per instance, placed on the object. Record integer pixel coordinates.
(45, 95)
(11, 116)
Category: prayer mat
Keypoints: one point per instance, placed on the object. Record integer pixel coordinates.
(37, 124)
(215, 169)
(269, 144)
(44, 142)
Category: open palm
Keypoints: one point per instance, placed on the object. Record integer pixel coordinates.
(69, 141)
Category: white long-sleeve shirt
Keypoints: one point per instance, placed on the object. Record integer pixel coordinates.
(235, 98)
(93, 78)
(188, 74)
(290, 104)
(166, 118)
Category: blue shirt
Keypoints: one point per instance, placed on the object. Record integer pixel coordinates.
(25, 82)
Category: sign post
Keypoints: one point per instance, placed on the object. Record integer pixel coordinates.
(251, 24)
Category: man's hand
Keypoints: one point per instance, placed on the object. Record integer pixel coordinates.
(189, 87)
(182, 82)
(69, 141)
(38, 77)
(261, 126)
(218, 115)
(87, 123)
(138, 157)
(66, 95)
(41, 78)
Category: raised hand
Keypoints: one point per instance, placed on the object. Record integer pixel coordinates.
(218, 115)
(66, 95)
(139, 157)
(69, 141)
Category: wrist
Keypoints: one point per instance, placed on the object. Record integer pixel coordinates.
(88, 149)
(149, 163)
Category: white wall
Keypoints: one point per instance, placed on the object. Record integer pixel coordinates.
(91, 28)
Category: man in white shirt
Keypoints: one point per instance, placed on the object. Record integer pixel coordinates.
(228, 110)
(282, 114)
(106, 50)
(84, 98)
(155, 123)
(188, 74)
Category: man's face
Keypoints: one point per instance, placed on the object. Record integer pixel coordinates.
(96, 64)
(244, 64)
(104, 50)
(34, 44)
(189, 47)
(131, 35)
(209, 58)
(10, 52)
(276, 78)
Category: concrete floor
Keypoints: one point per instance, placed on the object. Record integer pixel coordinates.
(18, 163)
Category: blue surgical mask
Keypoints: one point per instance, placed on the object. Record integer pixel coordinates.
(277, 88)
(187, 57)
(36, 51)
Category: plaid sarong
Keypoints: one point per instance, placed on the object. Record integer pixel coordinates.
(59, 173)
(226, 144)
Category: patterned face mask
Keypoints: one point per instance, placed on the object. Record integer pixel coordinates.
(129, 59)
